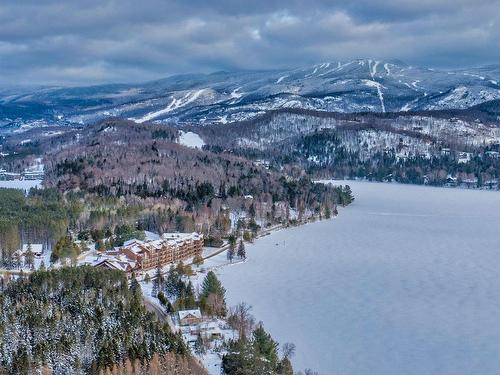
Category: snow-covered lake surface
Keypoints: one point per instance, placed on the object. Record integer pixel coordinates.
(404, 281)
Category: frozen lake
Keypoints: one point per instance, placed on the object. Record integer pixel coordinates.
(404, 281)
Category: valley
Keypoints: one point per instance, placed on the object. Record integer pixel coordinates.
(124, 177)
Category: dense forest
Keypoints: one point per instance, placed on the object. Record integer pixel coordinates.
(82, 320)
(41, 217)
(432, 148)
(124, 171)
(327, 154)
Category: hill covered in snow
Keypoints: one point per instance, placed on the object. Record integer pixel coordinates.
(363, 85)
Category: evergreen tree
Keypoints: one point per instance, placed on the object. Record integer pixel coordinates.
(255, 355)
(328, 212)
(251, 211)
(213, 295)
(61, 319)
(157, 281)
(265, 346)
(211, 284)
(348, 194)
(161, 297)
(232, 241)
(173, 282)
(29, 257)
(241, 250)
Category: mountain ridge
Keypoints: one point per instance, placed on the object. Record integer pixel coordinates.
(361, 85)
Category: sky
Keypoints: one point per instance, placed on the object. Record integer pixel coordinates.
(82, 42)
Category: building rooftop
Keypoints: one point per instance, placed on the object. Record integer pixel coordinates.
(185, 313)
(181, 236)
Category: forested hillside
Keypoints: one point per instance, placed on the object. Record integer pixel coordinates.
(443, 147)
(42, 217)
(78, 321)
(137, 171)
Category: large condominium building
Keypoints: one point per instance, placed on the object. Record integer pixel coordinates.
(170, 248)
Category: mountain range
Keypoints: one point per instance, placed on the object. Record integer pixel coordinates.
(363, 85)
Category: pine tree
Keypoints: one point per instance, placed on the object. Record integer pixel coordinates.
(241, 250)
(346, 196)
(251, 211)
(158, 275)
(328, 212)
(213, 295)
(211, 284)
(29, 257)
(232, 241)
(265, 346)
(157, 281)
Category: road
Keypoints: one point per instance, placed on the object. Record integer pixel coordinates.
(160, 314)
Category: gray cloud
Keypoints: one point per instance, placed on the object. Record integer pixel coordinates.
(95, 41)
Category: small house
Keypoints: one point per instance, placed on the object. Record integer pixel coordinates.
(445, 151)
(464, 157)
(210, 330)
(189, 317)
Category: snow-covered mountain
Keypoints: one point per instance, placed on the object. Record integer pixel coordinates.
(355, 86)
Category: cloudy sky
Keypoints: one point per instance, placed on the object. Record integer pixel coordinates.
(94, 41)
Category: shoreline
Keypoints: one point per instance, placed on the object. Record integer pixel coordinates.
(364, 180)
(211, 360)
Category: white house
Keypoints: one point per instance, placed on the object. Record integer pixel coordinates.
(464, 157)
(445, 151)
(209, 330)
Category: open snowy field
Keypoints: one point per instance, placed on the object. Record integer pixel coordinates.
(25, 185)
(404, 281)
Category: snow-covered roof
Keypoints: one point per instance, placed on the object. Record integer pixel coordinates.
(185, 313)
(182, 236)
(113, 263)
(132, 242)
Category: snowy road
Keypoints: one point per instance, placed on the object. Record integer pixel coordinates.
(405, 281)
